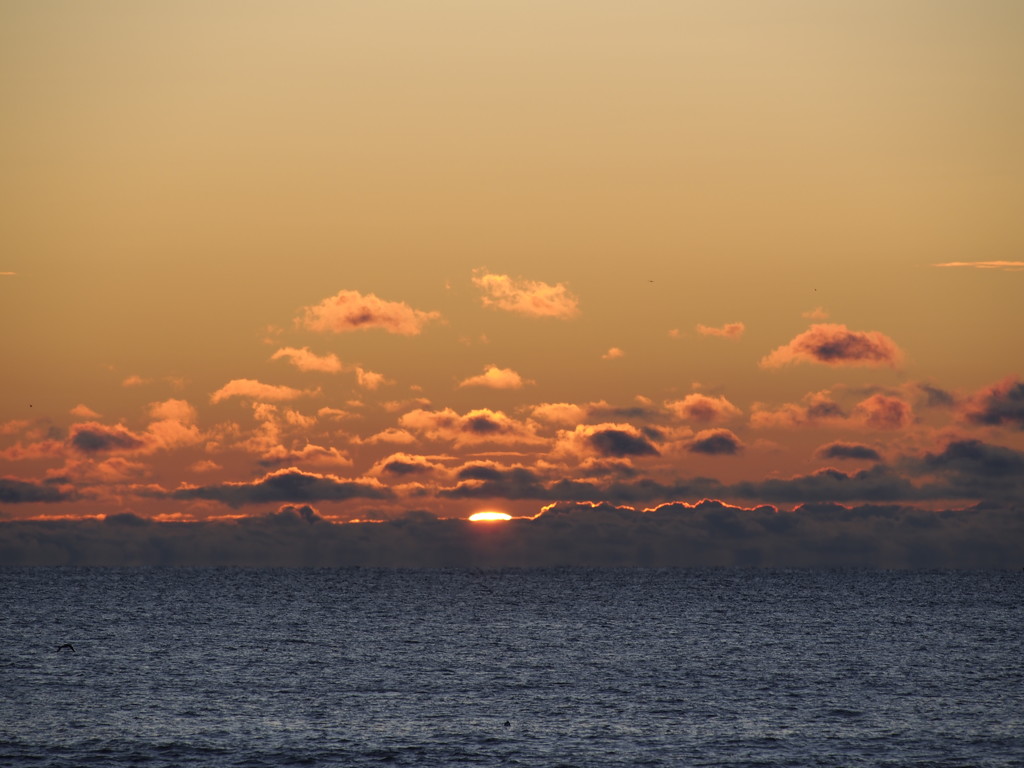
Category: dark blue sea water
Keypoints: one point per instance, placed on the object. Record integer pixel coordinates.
(234, 667)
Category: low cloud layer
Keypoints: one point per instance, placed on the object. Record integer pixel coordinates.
(708, 533)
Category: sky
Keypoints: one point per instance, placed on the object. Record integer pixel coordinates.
(668, 283)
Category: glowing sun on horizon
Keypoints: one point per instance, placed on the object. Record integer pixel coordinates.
(489, 516)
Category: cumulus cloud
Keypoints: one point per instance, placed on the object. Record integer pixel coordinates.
(879, 483)
(285, 485)
(835, 344)
(476, 426)
(715, 442)
(93, 438)
(607, 440)
(840, 450)
(997, 405)
(370, 379)
(1009, 266)
(559, 413)
(15, 491)
(256, 390)
(352, 311)
(84, 412)
(308, 455)
(403, 465)
(305, 360)
(884, 412)
(817, 407)
(612, 354)
(526, 297)
(703, 408)
(728, 331)
(818, 313)
(975, 469)
(495, 378)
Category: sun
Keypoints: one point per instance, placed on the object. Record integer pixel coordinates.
(489, 516)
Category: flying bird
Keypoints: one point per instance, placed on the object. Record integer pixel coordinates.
(69, 646)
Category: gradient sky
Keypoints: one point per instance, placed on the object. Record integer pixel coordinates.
(404, 261)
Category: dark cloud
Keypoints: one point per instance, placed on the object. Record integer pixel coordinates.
(620, 443)
(935, 397)
(399, 467)
(715, 442)
(92, 437)
(287, 485)
(879, 483)
(1000, 404)
(839, 450)
(677, 534)
(973, 457)
(13, 491)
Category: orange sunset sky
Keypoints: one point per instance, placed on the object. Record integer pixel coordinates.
(388, 262)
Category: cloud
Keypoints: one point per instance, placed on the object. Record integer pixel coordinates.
(884, 412)
(703, 533)
(495, 378)
(729, 330)
(975, 469)
(715, 442)
(84, 412)
(878, 483)
(404, 465)
(997, 405)
(369, 379)
(818, 313)
(476, 426)
(559, 413)
(609, 440)
(305, 360)
(134, 381)
(703, 408)
(1009, 266)
(817, 407)
(92, 438)
(15, 491)
(173, 409)
(308, 455)
(352, 311)
(285, 485)
(526, 297)
(834, 344)
(855, 451)
(258, 391)
(612, 354)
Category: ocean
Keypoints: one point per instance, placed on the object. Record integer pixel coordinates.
(563, 667)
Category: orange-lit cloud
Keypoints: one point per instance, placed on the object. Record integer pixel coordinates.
(477, 426)
(370, 379)
(703, 408)
(352, 311)
(1010, 266)
(715, 442)
(729, 330)
(997, 405)
(495, 378)
(884, 412)
(610, 440)
(305, 360)
(258, 391)
(285, 485)
(612, 354)
(84, 412)
(817, 407)
(818, 313)
(526, 297)
(835, 344)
